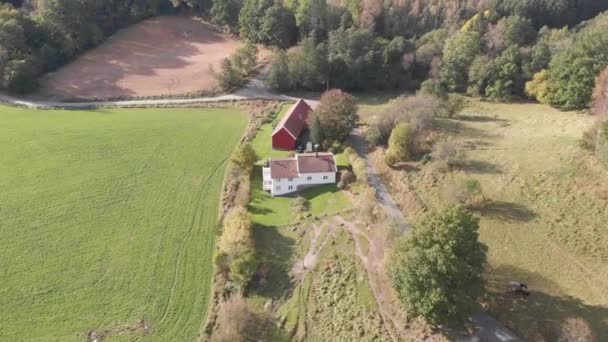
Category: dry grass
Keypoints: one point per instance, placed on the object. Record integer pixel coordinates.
(547, 221)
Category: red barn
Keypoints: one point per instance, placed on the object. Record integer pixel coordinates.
(289, 129)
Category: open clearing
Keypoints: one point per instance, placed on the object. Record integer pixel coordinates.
(546, 222)
(168, 55)
(107, 220)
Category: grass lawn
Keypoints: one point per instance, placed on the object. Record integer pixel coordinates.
(546, 223)
(262, 142)
(107, 219)
(268, 211)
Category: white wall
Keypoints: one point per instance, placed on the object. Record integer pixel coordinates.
(282, 186)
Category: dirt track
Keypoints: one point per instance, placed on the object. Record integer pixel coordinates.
(167, 55)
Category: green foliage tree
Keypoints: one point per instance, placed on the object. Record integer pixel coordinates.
(519, 31)
(437, 269)
(572, 72)
(337, 115)
(278, 27)
(458, 54)
(308, 66)
(226, 13)
(278, 77)
(251, 18)
(399, 144)
(20, 76)
(229, 77)
(479, 75)
(502, 82)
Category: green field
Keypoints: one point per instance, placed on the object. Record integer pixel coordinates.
(107, 219)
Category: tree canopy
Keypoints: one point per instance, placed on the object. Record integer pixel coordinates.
(437, 269)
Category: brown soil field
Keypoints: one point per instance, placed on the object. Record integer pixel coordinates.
(168, 55)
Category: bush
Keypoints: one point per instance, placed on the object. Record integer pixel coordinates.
(399, 144)
(347, 178)
(452, 105)
(236, 247)
(467, 191)
(575, 329)
(373, 136)
(244, 157)
(443, 249)
(20, 76)
(447, 154)
(299, 207)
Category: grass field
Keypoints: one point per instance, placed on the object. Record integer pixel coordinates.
(546, 222)
(107, 220)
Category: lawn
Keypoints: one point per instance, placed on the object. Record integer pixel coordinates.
(107, 220)
(546, 223)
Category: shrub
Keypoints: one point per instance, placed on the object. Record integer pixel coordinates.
(236, 247)
(20, 76)
(347, 178)
(236, 322)
(244, 157)
(299, 207)
(447, 154)
(373, 136)
(452, 105)
(537, 88)
(399, 144)
(575, 329)
(467, 191)
(443, 249)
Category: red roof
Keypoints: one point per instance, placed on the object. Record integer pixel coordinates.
(283, 168)
(302, 164)
(316, 162)
(294, 120)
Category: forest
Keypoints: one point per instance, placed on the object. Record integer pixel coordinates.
(548, 50)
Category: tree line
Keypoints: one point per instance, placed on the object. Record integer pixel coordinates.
(549, 50)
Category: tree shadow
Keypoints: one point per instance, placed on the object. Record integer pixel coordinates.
(541, 313)
(453, 127)
(276, 253)
(506, 211)
(480, 118)
(481, 166)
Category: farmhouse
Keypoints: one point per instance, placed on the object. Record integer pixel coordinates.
(284, 176)
(287, 133)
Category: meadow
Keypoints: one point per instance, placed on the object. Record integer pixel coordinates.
(107, 220)
(545, 221)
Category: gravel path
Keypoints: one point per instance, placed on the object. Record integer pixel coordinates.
(254, 90)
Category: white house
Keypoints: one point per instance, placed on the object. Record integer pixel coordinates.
(284, 176)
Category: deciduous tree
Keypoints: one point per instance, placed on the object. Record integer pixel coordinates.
(337, 115)
(437, 269)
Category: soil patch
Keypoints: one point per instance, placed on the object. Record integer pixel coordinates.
(168, 55)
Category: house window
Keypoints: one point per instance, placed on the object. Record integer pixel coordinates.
(324, 177)
(291, 179)
(290, 187)
(278, 187)
(309, 178)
